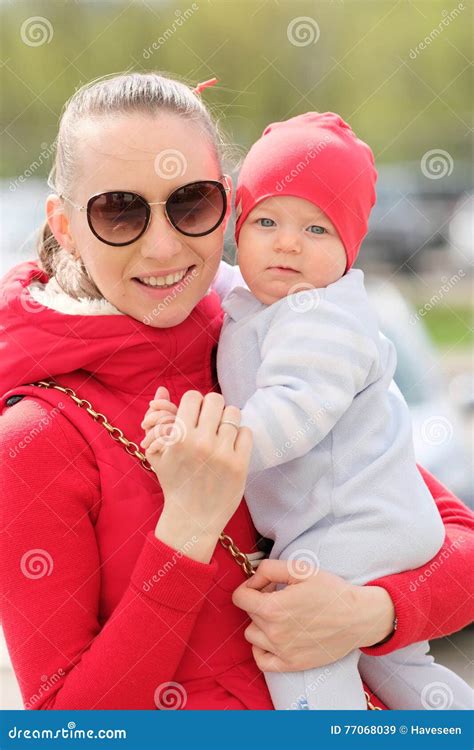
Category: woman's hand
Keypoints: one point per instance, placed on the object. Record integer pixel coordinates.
(313, 621)
(202, 468)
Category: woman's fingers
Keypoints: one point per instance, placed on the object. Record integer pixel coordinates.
(250, 600)
(257, 637)
(210, 415)
(269, 572)
(227, 433)
(243, 445)
(268, 662)
(189, 409)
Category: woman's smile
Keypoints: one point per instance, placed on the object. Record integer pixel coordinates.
(157, 286)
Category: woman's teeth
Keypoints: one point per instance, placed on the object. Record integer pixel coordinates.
(169, 280)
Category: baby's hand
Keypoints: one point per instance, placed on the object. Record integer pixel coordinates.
(158, 421)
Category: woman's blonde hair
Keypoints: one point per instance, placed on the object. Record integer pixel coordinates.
(148, 93)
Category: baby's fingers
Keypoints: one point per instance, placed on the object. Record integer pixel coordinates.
(153, 417)
(148, 439)
(156, 432)
(162, 392)
(155, 447)
(162, 403)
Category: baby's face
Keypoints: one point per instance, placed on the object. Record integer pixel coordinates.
(293, 233)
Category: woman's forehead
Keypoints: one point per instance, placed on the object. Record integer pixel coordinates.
(129, 150)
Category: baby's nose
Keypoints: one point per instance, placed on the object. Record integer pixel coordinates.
(288, 242)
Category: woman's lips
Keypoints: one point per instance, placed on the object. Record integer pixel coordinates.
(160, 292)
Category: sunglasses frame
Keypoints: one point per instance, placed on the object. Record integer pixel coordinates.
(223, 189)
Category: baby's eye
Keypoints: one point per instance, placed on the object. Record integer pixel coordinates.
(316, 229)
(266, 222)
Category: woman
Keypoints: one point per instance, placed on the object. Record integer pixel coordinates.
(118, 591)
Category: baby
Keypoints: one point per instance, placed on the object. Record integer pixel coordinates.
(333, 479)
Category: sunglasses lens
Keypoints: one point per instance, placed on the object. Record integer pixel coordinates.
(197, 208)
(117, 218)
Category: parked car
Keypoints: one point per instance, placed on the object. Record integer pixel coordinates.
(461, 231)
(412, 212)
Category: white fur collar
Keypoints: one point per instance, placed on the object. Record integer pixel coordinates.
(51, 295)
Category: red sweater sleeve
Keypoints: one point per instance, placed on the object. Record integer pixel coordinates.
(63, 658)
(435, 599)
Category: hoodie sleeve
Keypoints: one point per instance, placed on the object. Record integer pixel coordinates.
(226, 279)
(436, 599)
(63, 657)
(312, 366)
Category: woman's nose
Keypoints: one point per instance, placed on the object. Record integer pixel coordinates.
(161, 240)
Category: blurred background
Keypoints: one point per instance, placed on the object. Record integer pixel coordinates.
(400, 72)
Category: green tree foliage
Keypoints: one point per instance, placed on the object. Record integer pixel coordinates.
(361, 58)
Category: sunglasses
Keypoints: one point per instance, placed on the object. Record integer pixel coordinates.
(120, 217)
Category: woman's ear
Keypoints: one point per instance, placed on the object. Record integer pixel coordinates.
(59, 223)
(230, 197)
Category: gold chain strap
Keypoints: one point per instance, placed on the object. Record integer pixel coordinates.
(133, 450)
(370, 705)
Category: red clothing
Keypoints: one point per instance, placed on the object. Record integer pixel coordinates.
(340, 181)
(420, 595)
(108, 613)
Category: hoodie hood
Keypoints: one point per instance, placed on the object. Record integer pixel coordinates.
(46, 333)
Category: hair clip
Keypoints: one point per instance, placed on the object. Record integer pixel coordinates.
(204, 85)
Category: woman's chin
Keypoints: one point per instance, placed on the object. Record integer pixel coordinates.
(164, 308)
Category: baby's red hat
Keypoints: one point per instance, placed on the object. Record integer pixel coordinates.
(315, 156)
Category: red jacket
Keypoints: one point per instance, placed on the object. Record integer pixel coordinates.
(97, 612)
